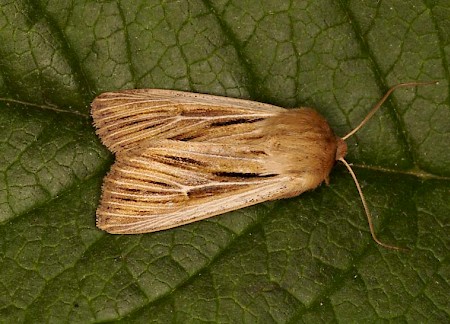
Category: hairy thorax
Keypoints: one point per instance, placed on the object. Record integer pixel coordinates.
(301, 142)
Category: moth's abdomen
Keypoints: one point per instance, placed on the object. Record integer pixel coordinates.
(302, 144)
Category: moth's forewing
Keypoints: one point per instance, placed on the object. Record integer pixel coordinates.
(127, 119)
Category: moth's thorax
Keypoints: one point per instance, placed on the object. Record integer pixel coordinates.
(300, 141)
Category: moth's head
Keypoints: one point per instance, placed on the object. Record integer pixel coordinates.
(341, 150)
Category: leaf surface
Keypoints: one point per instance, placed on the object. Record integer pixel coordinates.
(305, 259)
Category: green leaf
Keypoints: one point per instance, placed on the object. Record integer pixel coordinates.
(305, 259)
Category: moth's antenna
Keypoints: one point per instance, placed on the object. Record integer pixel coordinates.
(357, 128)
(366, 208)
(378, 105)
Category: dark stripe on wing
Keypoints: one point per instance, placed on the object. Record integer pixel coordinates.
(243, 175)
(236, 122)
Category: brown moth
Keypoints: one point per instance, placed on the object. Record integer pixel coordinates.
(182, 157)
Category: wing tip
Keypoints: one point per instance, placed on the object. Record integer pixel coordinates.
(115, 225)
(105, 224)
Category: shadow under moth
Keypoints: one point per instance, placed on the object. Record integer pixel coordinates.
(182, 157)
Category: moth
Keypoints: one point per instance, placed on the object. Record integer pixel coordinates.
(182, 157)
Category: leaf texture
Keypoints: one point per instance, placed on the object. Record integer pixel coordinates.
(308, 259)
